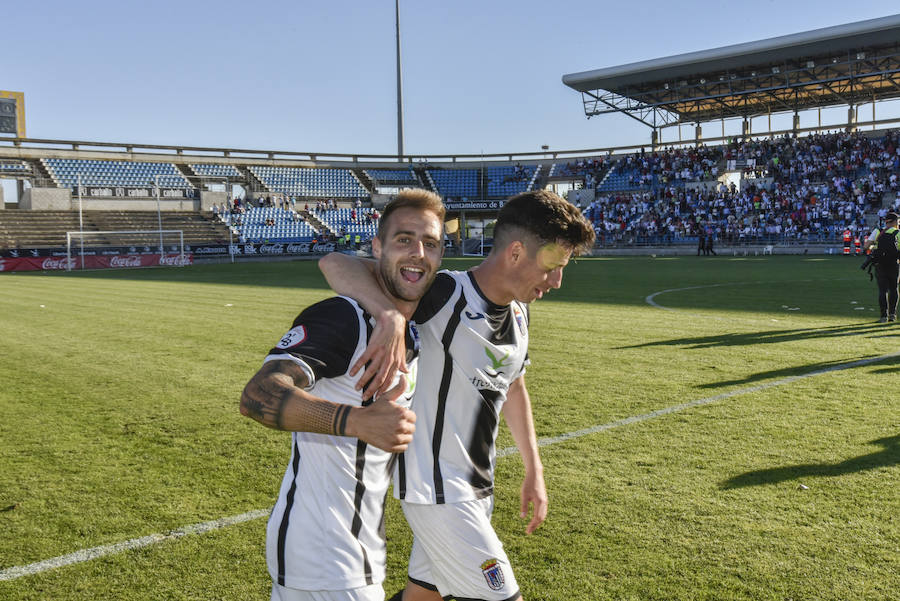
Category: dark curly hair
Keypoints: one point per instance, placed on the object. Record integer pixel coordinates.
(546, 217)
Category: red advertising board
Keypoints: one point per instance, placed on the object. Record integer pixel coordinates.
(91, 262)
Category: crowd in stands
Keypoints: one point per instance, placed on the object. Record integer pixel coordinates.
(588, 170)
(348, 226)
(793, 189)
(806, 189)
(519, 174)
(240, 206)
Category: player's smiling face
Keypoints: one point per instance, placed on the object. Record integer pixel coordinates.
(410, 255)
(536, 275)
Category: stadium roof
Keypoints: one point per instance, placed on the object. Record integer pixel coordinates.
(847, 64)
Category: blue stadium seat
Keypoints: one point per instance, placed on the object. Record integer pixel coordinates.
(124, 174)
(311, 183)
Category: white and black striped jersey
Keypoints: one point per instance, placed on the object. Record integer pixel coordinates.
(326, 531)
(472, 350)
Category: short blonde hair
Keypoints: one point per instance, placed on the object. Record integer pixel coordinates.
(413, 198)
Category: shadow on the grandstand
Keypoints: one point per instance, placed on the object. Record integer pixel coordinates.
(885, 366)
(769, 336)
(888, 456)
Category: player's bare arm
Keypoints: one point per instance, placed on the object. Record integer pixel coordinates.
(385, 353)
(275, 397)
(517, 413)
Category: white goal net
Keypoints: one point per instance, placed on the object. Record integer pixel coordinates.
(129, 248)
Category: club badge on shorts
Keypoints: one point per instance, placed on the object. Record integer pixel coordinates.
(493, 574)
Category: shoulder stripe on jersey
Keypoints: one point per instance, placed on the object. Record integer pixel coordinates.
(285, 518)
(446, 339)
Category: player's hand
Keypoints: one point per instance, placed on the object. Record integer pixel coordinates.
(392, 394)
(383, 424)
(384, 356)
(534, 493)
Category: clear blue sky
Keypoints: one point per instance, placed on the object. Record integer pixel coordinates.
(478, 76)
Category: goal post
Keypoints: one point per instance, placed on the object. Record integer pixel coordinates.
(125, 248)
(472, 247)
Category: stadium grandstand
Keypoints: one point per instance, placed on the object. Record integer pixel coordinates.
(845, 65)
(792, 190)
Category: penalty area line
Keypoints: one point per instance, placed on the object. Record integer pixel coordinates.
(204, 527)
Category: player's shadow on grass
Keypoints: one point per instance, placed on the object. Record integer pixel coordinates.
(888, 365)
(766, 337)
(889, 455)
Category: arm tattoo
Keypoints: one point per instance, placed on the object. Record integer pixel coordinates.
(275, 398)
(339, 425)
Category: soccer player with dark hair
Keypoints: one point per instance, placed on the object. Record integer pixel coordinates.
(474, 331)
(885, 245)
(325, 539)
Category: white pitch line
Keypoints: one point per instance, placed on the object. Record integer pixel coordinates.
(128, 545)
(649, 299)
(152, 539)
(699, 402)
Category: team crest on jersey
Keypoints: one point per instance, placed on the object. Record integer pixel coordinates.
(520, 319)
(493, 574)
(294, 337)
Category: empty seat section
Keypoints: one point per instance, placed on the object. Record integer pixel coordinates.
(310, 183)
(456, 183)
(211, 170)
(125, 174)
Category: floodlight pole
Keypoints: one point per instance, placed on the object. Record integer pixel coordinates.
(159, 216)
(80, 219)
(399, 85)
(230, 232)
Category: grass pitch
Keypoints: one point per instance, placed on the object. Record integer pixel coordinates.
(120, 394)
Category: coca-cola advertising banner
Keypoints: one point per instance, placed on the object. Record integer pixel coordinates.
(282, 248)
(91, 262)
(249, 248)
(106, 250)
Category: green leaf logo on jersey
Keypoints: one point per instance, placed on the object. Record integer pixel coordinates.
(494, 369)
(411, 379)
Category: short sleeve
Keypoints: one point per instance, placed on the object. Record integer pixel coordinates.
(324, 337)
